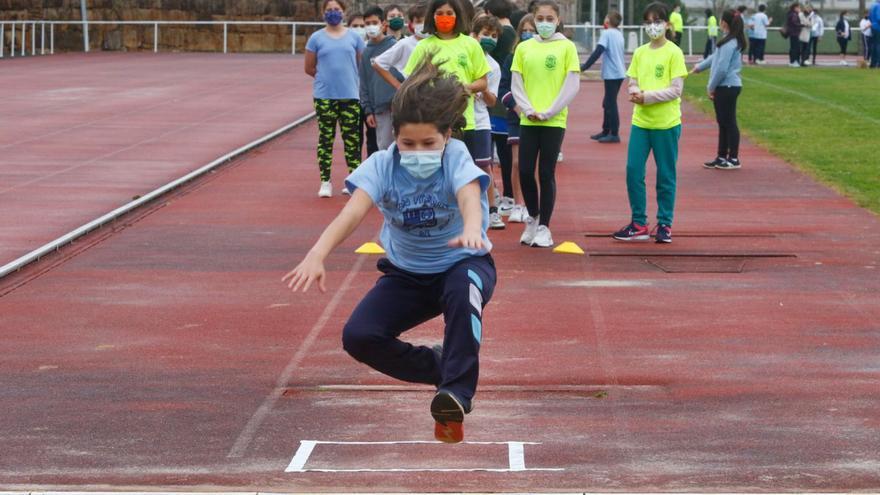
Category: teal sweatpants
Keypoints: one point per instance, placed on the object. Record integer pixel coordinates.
(664, 144)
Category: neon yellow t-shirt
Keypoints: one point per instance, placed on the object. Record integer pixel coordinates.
(462, 56)
(655, 69)
(677, 22)
(544, 67)
(712, 26)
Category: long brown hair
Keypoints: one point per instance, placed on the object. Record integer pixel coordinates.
(430, 96)
(736, 28)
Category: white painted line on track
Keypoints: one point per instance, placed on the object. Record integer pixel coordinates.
(250, 430)
(122, 210)
(516, 456)
(302, 456)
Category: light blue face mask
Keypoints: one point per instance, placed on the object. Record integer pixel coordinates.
(546, 29)
(421, 164)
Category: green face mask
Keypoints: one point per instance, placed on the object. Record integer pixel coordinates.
(396, 23)
(488, 43)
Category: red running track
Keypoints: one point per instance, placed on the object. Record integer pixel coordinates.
(81, 135)
(167, 354)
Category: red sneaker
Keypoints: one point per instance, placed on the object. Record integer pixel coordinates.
(449, 416)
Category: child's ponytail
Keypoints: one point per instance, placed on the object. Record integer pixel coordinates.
(430, 96)
(736, 28)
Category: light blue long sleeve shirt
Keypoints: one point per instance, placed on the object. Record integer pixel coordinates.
(726, 64)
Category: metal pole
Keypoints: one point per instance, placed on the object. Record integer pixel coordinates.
(622, 13)
(690, 41)
(293, 39)
(12, 51)
(2, 38)
(51, 39)
(85, 21)
(42, 38)
(224, 37)
(33, 38)
(23, 39)
(156, 38)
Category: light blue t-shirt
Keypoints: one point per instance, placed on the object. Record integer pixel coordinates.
(422, 215)
(337, 77)
(760, 21)
(613, 66)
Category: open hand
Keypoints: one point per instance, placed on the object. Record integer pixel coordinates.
(309, 271)
(467, 240)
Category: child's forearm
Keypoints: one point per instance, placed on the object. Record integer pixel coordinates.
(387, 76)
(468, 198)
(343, 225)
(519, 93)
(666, 94)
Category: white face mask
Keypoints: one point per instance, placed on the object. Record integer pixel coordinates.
(419, 30)
(655, 30)
(373, 30)
(362, 32)
(421, 164)
(546, 29)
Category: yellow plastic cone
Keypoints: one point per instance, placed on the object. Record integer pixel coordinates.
(568, 248)
(370, 248)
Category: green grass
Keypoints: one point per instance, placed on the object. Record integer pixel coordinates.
(824, 120)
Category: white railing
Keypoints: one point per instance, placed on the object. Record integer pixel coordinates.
(22, 27)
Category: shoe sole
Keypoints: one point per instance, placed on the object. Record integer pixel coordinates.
(737, 167)
(664, 241)
(448, 416)
(706, 165)
(497, 227)
(633, 238)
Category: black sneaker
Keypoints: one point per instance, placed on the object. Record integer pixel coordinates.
(632, 232)
(448, 413)
(718, 162)
(596, 137)
(609, 138)
(663, 233)
(729, 164)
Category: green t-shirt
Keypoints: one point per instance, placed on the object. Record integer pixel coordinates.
(712, 26)
(544, 65)
(677, 22)
(655, 69)
(462, 56)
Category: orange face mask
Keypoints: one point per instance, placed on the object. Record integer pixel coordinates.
(445, 23)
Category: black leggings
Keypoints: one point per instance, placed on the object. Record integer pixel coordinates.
(505, 159)
(539, 147)
(725, 115)
(794, 49)
(611, 117)
(814, 47)
(842, 42)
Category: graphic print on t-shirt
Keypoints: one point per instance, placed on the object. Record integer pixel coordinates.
(424, 214)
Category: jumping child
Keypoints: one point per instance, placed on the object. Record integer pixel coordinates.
(545, 79)
(656, 73)
(433, 200)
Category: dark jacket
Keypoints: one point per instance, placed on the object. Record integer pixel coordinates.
(505, 96)
(376, 94)
(793, 24)
(841, 27)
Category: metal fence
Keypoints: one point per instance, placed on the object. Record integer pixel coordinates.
(693, 38)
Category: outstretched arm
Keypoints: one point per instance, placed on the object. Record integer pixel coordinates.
(311, 268)
(468, 198)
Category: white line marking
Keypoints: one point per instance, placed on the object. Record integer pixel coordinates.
(820, 101)
(250, 430)
(601, 283)
(516, 455)
(301, 457)
(417, 442)
(425, 470)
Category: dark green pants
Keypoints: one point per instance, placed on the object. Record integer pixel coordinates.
(664, 145)
(347, 113)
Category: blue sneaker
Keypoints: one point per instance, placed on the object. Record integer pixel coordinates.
(633, 232)
(663, 233)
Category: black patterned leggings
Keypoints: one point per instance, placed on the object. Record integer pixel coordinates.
(348, 114)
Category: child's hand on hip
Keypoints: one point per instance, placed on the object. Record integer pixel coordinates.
(310, 270)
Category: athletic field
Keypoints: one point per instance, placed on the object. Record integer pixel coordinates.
(820, 119)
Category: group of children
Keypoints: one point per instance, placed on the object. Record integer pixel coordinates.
(439, 100)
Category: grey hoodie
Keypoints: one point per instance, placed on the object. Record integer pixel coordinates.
(376, 94)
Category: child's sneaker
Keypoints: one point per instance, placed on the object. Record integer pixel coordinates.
(729, 164)
(448, 413)
(506, 207)
(542, 237)
(632, 232)
(718, 162)
(663, 233)
(495, 221)
(326, 190)
(528, 235)
(518, 215)
(596, 137)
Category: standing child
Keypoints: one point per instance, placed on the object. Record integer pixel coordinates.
(376, 93)
(486, 30)
(724, 88)
(844, 34)
(390, 64)
(545, 79)
(433, 200)
(656, 73)
(396, 22)
(332, 58)
(610, 47)
(524, 32)
(759, 23)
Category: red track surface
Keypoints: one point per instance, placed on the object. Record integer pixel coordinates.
(168, 353)
(82, 134)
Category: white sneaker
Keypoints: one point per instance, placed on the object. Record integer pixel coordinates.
(760, 62)
(528, 235)
(326, 190)
(807, 63)
(495, 221)
(518, 214)
(345, 191)
(843, 62)
(794, 64)
(506, 206)
(542, 237)
(559, 158)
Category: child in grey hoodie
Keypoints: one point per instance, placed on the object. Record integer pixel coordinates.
(376, 93)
